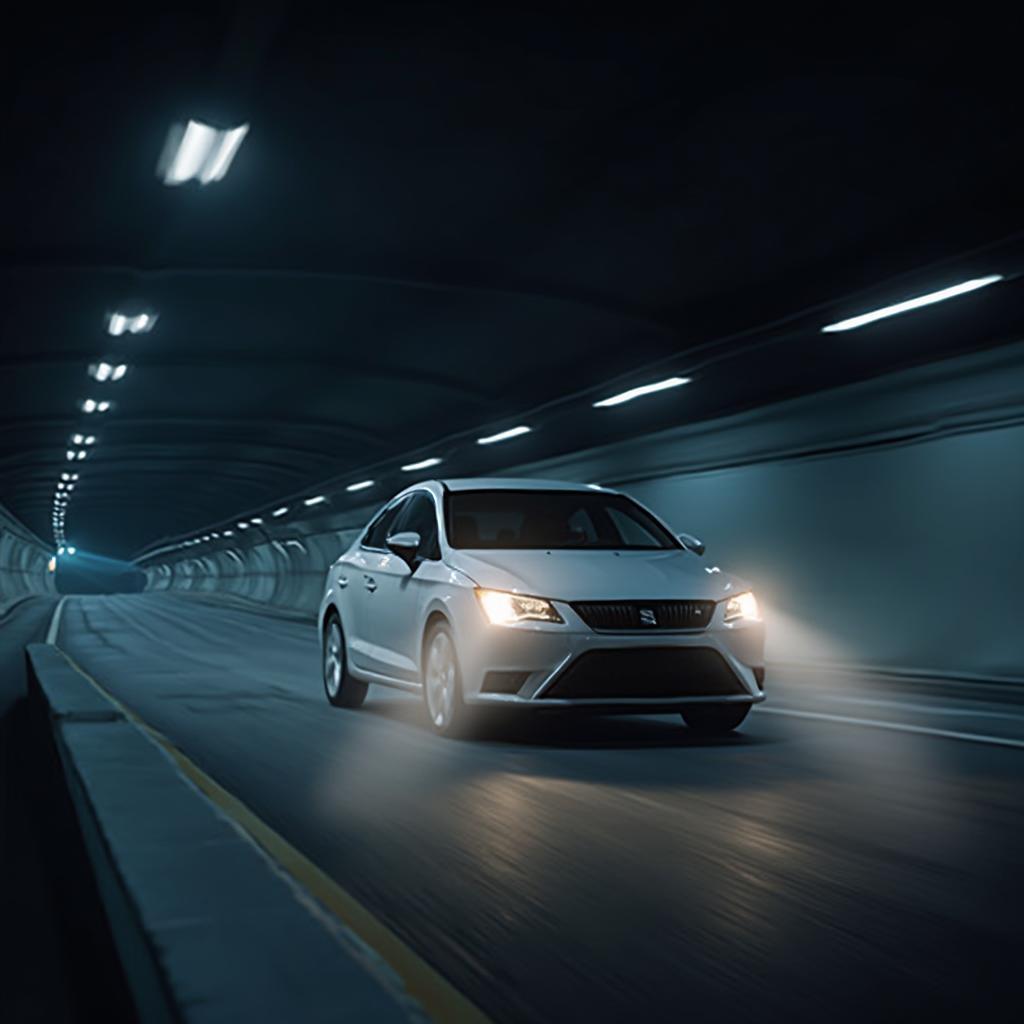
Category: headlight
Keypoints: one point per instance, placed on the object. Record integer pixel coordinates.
(505, 609)
(742, 606)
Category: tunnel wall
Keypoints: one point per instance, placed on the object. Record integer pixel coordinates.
(880, 522)
(23, 562)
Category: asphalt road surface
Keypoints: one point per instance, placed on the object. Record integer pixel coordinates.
(841, 860)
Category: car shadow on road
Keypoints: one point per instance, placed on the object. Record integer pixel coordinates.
(573, 731)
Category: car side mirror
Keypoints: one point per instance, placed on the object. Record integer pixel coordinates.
(406, 545)
(691, 543)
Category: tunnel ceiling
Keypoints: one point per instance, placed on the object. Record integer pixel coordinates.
(445, 222)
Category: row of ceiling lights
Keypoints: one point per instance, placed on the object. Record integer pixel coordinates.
(429, 463)
(195, 151)
(199, 152)
(629, 395)
(80, 443)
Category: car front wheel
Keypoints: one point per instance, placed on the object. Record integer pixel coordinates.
(342, 690)
(715, 719)
(442, 683)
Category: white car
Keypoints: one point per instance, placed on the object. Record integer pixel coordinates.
(537, 594)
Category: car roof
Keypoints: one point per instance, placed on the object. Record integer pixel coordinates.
(515, 484)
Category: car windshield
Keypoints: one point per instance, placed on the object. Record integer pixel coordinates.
(546, 520)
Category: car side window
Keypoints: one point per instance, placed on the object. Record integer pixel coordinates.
(378, 530)
(420, 515)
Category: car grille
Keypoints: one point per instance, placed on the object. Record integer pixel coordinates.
(645, 673)
(645, 615)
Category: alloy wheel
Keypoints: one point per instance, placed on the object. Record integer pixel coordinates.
(332, 660)
(440, 679)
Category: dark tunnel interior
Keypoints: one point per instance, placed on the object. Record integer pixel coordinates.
(510, 513)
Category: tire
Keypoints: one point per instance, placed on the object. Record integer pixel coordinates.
(441, 681)
(341, 689)
(715, 719)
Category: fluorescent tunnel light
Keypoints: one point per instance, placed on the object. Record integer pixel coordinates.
(422, 464)
(318, 500)
(199, 152)
(118, 323)
(108, 371)
(360, 486)
(504, 435)
(903, 307)
(639, 392)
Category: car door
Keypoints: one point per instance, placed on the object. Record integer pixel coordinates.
(394, 627)
(357, 586)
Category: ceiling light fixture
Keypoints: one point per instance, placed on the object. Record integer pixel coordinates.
(107, 371)
(504, 435)
(118, 323)
(280, 511)
(639, 392)
(903, 307)
(318, 500)
(422, 464)
(360, 486)
(256, 521)
(199, 151)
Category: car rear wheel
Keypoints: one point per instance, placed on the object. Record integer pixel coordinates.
(342, 690)
(442, 683)
(715, 719)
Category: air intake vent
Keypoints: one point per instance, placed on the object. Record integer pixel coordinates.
(504, 682)
(646, 673)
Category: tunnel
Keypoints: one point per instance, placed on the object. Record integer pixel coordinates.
(510, 513)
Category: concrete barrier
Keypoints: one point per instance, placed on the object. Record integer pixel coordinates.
(207, 928)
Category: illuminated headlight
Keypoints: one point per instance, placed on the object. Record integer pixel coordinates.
(505, 609)
(742, 606)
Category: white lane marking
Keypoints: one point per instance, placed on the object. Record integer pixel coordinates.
(871, 723)
(51, 633)
(928, 709)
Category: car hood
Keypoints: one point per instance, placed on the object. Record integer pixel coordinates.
(598, 575)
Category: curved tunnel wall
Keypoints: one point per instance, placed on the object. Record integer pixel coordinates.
(879, 522)
(23, 562)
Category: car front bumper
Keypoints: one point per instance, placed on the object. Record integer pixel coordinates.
(548, 665)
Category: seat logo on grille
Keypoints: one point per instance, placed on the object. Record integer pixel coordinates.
(647, 617)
